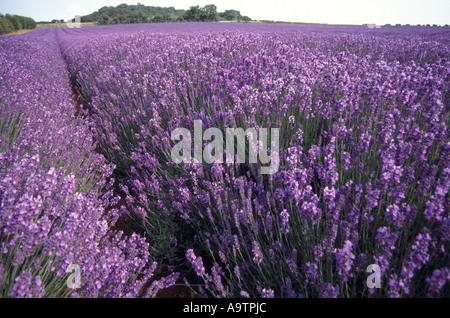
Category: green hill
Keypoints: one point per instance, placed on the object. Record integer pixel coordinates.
(124, 14)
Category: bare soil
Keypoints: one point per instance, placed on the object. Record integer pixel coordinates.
(21, 32)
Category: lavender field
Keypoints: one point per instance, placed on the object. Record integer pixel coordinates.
(358, 207)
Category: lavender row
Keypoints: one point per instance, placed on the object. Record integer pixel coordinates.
(364, 174)
(54, 188)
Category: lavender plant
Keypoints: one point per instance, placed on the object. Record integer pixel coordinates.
(364, 175)
(55, 188)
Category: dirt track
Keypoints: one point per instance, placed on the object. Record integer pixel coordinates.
(21, 32)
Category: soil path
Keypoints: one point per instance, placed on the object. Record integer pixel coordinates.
(21, 32)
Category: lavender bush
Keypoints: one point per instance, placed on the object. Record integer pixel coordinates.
(364, 175)
(54, 187)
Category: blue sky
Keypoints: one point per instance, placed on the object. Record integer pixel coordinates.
(321, 11)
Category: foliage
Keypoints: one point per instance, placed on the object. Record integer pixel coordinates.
(130, 14)
(12, 23)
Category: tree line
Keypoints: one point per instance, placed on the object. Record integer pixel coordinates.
(209, 14)
(128, 14)
(11, 23)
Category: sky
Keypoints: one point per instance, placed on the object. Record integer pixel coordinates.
(314, 11)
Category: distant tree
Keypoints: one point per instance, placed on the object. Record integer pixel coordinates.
(205, 14)
(141, 14)
(231, 15)
(28, 23)
(246, 19)
(137, 16)
(193, 14)
(6, 26)
(158, 18)
(10, 23)
(104, 20)
(209, 13)
(180, 19)
(15, 21)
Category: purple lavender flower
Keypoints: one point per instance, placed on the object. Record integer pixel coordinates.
(257, 255)
(312, 271)
(22, 285)
(267, 293)
(197, 262)
(364, 157)
(437, 281)
(284, 215)
(395, 216)
(244, 294)
(344, 260)
(346, 160)
(329, 291)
